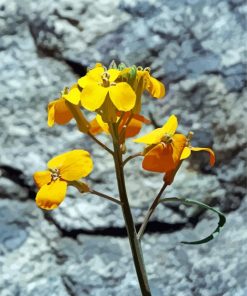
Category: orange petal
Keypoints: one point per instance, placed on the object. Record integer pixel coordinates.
(134, 125)
(62, 114)
(210, 151)
(178, 144)
(51, 195)
(159, 159)
(73, 165)
(95, 127)
(42, 178)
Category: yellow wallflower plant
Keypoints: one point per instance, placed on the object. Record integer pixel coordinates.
(114, 95)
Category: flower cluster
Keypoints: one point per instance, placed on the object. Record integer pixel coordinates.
(114, 96)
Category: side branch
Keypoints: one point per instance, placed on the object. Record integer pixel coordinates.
(100, 143)
(150, 212)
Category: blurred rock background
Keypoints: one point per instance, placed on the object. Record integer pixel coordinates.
(197, 48)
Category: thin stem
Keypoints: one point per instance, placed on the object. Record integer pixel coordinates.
(131, 157)
(100, 143)
(122, 132)
(150, 212)
(106, 196)
(130, 226)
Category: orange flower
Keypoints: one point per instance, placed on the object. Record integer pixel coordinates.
(64, 168)
(165, 147)
(134, 125)
(169, 177)
(58, 112)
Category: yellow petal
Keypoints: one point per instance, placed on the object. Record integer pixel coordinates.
(92, 76)
(210, 151)
(153, 137)
(186, 153)
(114, 73)
(93, 96)
(73, 165)
(122, 96)
(62, 113)
(73, 96)
(51, 195)
(156, 88)
(42, 178)
(104, 126)
(51, 114)
(170, 126)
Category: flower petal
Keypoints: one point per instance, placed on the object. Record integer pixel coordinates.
(95, 127)
(42, 178)
(51, 195)
(178, 144)
(73, 96)
(159, 159)
(170, 126)
(210, 151)
(93, 96)
(134, 125)
(153, 137)
(155, 88)
(104, 126)
(73, 165)
(122, 96)
(186, 153)
(114, 73)
(51, 113)
(62, 113)
(92, 76)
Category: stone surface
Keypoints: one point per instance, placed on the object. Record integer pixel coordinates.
(197, 49)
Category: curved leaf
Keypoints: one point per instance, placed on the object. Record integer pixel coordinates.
(221, 222)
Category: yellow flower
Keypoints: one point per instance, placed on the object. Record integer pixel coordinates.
(58, 112)
(99, 84)
(64, 168)
(165, 147)
(151, 84)
(144, 81)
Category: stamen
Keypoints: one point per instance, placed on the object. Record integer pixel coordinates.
(148, 69)
(55, 174)
(167, 139)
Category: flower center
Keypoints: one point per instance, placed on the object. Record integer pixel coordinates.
(106, 80)
(167, 139)
(55, 174)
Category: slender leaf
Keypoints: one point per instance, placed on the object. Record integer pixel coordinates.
(185, 201)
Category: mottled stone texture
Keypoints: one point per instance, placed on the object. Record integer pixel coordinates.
(197, 48)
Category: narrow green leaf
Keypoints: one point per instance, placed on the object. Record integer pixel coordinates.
(221, 222)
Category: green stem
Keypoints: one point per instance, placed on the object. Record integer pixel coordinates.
(100, 143)
(105, 196)
(150, 212)
(130, 226)
(131, 157)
